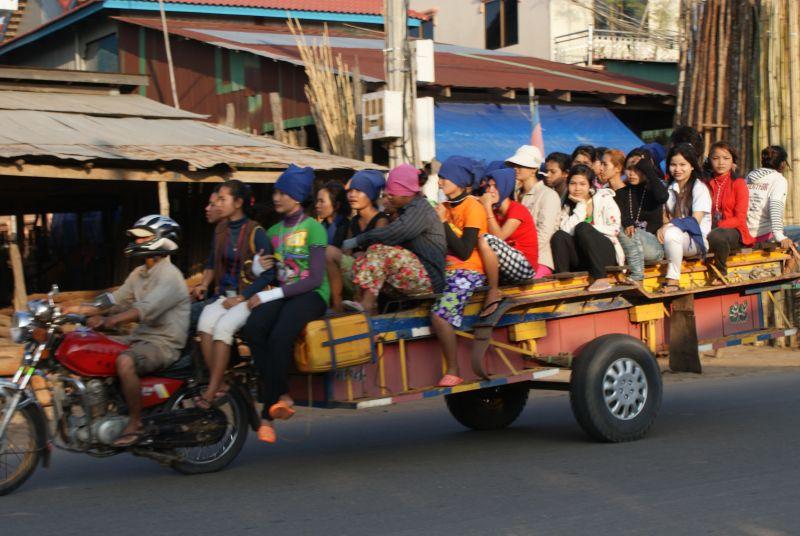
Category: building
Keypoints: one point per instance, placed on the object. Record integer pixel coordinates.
(633, 37)
(83, 155)
(235, 69)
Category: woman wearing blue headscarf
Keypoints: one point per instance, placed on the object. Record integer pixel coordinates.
(363, 191)
(511, 236)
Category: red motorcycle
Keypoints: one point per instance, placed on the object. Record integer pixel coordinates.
(87, 410)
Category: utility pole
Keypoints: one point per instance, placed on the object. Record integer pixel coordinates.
(399, 77)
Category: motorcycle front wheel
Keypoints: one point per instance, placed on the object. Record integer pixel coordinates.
(215, 456)
(19, 446)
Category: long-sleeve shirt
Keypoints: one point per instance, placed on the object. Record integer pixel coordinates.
(235, 254)
(767, 189)
(544, 205)
(643, 203)
(731, 202)
(419, 230)
(162, 299)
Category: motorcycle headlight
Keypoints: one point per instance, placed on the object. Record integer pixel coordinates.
(20, 326)
(40, 310)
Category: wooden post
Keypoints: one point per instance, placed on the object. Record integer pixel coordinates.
(358, 90)
(163, 198)
(683, 353)
(17, 270)
(277, 116)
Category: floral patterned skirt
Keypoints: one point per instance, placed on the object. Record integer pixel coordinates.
(459, 286)
(394, 266)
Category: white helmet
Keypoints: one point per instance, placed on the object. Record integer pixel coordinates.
(163, 233)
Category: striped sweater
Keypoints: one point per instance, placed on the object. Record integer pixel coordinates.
(767, 201)
(419, 230)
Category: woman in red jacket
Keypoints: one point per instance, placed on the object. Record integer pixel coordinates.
(730, 200)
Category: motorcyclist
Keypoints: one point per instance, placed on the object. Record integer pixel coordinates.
(156, 297)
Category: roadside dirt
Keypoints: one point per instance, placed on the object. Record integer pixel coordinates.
(738, 361)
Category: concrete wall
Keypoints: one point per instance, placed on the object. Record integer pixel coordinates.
(461, 22)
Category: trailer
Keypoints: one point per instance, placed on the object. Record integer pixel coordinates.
(551, 334)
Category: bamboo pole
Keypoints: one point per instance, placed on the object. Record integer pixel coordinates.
(793, 118)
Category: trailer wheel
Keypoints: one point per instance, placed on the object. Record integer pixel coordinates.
(488, 409)
(615, 389)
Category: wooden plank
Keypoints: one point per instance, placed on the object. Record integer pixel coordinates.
(683, 354)
(277, 116)
(42, 171)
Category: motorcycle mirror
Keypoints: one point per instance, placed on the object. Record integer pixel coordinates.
(104, 301)
(52, 294)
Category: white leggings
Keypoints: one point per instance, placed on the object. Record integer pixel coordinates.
(222, 324)
(676, 245)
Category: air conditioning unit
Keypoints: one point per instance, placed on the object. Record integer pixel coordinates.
(424, 60)
(426, 138)
(382, 115)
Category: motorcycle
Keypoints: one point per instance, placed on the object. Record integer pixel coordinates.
(86, 411)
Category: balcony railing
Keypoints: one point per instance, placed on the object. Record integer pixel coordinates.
(587, 46)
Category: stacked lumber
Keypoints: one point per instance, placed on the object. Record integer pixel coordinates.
(739, 79)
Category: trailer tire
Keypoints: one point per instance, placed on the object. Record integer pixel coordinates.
(489, 409)
(615, 388)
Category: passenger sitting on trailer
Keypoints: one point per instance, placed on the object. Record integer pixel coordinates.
(279, 315)
(362, 194)
(611, 168)
(557, 166)
(235, 244)
(687, 220)
(768, 187)
(589, 227)
(464, 222)
(729, 208)
(541, 200)
(511, 237)
(641, 203)
(333, 211)
(407, 255)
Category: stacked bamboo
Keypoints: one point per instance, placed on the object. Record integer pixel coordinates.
(740, 76)
(330, 92)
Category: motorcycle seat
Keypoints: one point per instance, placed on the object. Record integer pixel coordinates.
(181, 369)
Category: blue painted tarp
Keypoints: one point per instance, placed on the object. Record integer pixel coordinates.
(494, 131)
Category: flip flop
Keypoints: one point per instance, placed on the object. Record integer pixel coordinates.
(281, 410)
(450, 380)
(352, 306)
(136, 437)
(493, 306)
(267, 434)
(599, 286)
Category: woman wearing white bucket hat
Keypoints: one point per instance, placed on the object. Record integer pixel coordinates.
(543, 202)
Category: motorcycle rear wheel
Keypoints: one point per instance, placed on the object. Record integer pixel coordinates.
(217, 456)
(19, 451)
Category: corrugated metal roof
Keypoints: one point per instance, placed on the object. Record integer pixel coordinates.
(92, 136)
(109, 105)
(358, 7)
(455, 66)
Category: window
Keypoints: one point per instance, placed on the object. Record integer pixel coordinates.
(501, 23)
(102, 55)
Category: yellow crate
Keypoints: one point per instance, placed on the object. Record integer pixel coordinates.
(643, 313)
(526, 331)
(334, 343)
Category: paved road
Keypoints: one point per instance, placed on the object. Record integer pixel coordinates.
(724, 458)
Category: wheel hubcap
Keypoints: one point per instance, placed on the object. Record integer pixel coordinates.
(625, 388)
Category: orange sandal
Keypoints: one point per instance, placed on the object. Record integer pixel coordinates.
(267, 434)
(281, 410)
(450, 380)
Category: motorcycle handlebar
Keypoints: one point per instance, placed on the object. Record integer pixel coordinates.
(73, 318)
